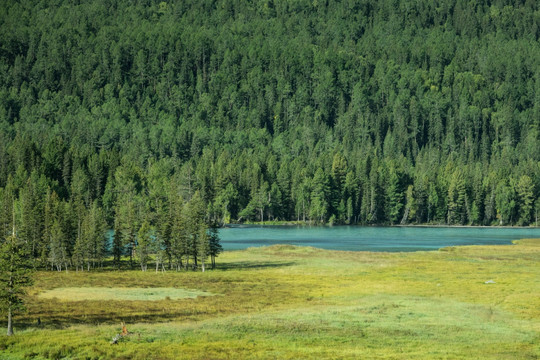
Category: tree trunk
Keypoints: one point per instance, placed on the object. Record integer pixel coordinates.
(202, 264)
(10, 323)
(131, 256)
(405, 216)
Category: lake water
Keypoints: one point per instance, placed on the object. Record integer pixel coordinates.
(361, 238)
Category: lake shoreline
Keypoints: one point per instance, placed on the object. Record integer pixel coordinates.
(307, 224)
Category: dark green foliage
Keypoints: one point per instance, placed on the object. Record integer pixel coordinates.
(15, 275)
(215, 247)
(525, 192)
(371, 112)
(144, 242)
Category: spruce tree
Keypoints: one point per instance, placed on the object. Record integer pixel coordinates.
(15, 275)
(394, 196)
(456, 199)
(95, 235)
(525, 193)
(214, 243)
(144, 244)
(319, 196)
(58, 252)
(203, 245)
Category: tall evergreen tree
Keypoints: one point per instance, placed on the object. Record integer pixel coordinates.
(456, 199)
(144, 245)
(15, 275)
(58, 247)
(394, 196)
(319, 196)
(525, 193)
(203, 245)
(215, 247)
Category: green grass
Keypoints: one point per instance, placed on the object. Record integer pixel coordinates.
(290, 302)
(118, 293)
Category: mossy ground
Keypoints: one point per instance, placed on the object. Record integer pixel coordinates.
(287, 302)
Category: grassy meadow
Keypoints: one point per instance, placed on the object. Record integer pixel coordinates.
(286, 302)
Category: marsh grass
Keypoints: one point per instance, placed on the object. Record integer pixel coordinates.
(291, 302)
(120, 293)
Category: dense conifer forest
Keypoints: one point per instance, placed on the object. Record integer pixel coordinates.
(162, 119)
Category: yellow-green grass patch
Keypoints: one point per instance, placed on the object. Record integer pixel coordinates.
(119, 293)
(298, 302)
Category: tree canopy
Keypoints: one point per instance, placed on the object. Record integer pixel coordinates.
(116, 113)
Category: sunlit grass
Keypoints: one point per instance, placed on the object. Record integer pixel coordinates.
(118, 293)
(291, 302)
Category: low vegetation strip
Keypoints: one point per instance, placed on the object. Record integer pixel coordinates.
(288, 302)
(118, 293)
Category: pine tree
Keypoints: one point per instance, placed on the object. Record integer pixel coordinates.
(261, 200)
(117, 244)
(162, 243)
(432, 202)
(456, 199)
(301, 195)
(96, 234)
(374, 195)
(394, 196)
(144, 244)
(31, 225)
(214, 243)
(203, 245)
(410, 206)
(194, 213)
(15, 274)
(338, 177)
(505, 201)
(350, 210)
(536, 211)
(224, 202)
(58, 252)
(7, 197)
(127, 222)
(319, 196)
(79, 254)
(525, 193)
(179, 242)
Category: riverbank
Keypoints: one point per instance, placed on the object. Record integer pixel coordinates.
(292, 302)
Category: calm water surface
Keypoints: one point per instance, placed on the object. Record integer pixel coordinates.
(360, 238)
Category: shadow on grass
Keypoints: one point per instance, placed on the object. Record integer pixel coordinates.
(253, 265)
(65, 322)
(151, 316)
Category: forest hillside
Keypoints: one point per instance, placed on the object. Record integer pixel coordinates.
(115, 114)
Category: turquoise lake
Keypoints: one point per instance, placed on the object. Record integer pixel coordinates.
(361, 238)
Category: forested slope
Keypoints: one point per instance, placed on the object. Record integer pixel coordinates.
(370, 112)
